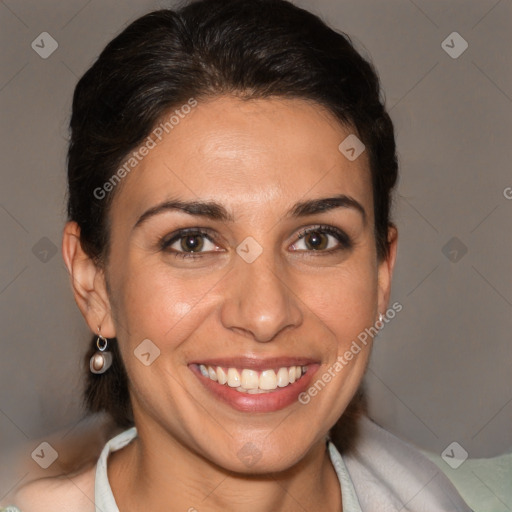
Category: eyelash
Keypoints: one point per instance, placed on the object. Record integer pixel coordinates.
(165, 243)
(341, 237)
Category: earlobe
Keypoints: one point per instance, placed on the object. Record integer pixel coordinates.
(87, 282)
(386, 267)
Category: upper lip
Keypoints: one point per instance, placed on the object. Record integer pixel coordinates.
(256, 363)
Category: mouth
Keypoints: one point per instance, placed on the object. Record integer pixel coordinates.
(251, 385)
(252, 381)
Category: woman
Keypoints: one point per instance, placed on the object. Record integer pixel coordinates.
(230, 175)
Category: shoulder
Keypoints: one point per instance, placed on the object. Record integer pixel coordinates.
(67, 492)
(385, 469)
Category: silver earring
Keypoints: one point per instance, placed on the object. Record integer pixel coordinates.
(101, 361)
(381, 317)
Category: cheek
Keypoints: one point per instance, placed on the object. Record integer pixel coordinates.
(344, 300)
(156, 304)
(155, 301)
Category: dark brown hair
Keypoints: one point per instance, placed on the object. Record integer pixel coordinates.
(204, 49)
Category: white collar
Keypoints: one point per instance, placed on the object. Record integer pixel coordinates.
(105, 502)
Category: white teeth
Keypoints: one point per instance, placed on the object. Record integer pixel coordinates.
(252, 381)
(251, 391)
(212, 373)
(233, 378)
(283, 377)
(221, 375)
(268, 380)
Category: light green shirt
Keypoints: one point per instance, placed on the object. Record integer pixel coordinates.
(380, 473)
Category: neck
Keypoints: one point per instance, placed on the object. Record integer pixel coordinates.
(156, 472)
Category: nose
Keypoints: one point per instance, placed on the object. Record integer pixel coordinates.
(260, 303)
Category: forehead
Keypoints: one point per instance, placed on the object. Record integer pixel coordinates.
(255, 153)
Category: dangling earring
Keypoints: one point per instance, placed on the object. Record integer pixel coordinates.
(101, 361)
(379, 323)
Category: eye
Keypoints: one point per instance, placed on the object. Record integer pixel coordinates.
(323, 239)
(189, 243)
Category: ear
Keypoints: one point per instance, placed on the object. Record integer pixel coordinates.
(385, 271)
(88, 283)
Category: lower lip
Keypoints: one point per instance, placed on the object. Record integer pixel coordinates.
(261, 402)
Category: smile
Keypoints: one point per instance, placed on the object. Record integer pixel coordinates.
(255, 385)
(251, 381)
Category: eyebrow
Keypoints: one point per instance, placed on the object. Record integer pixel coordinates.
(314, 206)
(215, 211)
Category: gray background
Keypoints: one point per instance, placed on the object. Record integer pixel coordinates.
(441, 369)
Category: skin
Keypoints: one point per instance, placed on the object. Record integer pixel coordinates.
(256, 159)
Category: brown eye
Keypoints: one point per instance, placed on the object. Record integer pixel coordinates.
(315, 240)
(322, 239)
(192, 243)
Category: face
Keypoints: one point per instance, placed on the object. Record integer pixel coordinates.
(242, 246)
